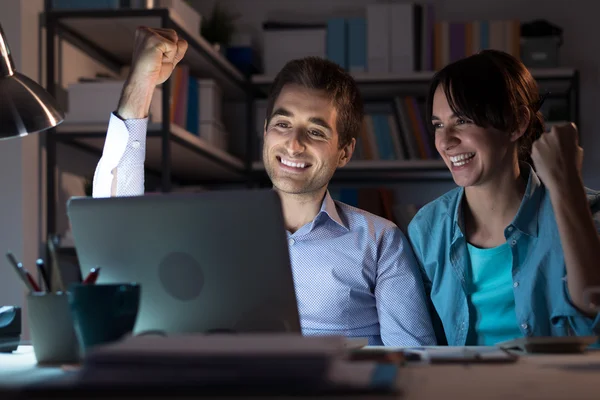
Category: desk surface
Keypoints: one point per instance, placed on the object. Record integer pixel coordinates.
(575, 376)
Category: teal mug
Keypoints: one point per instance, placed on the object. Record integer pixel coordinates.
(103, 313)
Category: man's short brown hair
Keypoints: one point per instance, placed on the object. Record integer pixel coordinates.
(320, 74)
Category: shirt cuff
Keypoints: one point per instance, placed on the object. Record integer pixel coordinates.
(125, 144)
(123, 135)
(582, 325)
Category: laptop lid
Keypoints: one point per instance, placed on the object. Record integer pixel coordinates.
(206, 262)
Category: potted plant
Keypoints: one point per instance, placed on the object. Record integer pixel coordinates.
(219, 27)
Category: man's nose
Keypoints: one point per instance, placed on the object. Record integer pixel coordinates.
(295, 143)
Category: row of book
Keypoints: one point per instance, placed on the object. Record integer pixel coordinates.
(379, 201)
(196, 106)
(407, 37)
(391, 37)
(399, 133)
(456, 40)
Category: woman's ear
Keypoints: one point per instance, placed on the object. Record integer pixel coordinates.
(524, 119)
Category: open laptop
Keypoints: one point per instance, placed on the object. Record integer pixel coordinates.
(216, 261)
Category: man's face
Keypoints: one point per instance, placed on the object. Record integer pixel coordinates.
(301, 144)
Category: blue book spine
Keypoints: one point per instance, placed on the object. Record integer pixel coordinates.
(382, 137)
(85, 4)
(337, 46)
(357, 44)
(193, 111)
(485, 35)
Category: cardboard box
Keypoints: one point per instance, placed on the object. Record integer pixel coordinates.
(183, 14)
(283, 45)
(214, 133)
(211, 99)
(93, 102)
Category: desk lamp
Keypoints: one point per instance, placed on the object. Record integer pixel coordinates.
(25, 106)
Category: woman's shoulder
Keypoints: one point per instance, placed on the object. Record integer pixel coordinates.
(436, 214)
(445, 205)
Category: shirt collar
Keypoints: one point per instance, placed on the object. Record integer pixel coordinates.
(329, 209)
(526, 219)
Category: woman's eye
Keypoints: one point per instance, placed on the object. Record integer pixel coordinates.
(462, 121)
(436, 125)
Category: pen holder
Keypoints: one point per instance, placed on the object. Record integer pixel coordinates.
(51, 328)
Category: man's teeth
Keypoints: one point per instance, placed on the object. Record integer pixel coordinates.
(291, 164)
(462, 159)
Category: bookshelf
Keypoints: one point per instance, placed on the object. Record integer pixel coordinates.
(179, 156)
(172, 153)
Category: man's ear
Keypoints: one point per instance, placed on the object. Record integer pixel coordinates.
(523, 124)
(346, 153)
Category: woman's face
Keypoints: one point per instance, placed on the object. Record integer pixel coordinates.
(474, 154)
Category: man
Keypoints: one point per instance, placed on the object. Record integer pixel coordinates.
(354, 273)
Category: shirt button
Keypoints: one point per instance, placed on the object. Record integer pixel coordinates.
(135, 144)
(524, 326)
(291, 242)
(513, 242)
(510, 228)
(516, 284)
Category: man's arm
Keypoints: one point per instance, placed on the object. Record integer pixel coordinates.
(401, 304)
(120, 171)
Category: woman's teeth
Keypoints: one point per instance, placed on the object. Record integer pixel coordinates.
(292, 164)
(462, 159)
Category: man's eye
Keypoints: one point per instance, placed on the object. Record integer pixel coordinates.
(316, 133)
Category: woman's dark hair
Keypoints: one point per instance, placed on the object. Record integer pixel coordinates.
(321, 74)
(492, 89)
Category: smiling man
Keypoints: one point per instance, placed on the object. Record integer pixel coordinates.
(354, 272)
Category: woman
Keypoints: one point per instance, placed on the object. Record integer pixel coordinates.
(510, 251)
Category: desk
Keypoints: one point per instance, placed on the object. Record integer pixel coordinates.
(532, 377)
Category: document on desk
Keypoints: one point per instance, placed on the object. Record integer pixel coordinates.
(257, 360)
(463, 354)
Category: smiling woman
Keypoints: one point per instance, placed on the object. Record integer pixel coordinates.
(495, 248)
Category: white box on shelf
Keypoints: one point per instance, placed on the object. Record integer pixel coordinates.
(214, 133)
(92, 102)
(183, 14)
(210, 99)
(281, 46)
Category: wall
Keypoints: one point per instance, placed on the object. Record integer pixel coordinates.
(22, 160)
(20, 202)
(576, 17)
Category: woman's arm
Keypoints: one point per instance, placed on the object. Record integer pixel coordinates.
(557, 158)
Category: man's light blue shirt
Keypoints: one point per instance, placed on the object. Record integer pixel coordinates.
(542, 303)
(356, 275)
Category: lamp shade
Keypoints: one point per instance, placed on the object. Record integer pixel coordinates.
(25, 106)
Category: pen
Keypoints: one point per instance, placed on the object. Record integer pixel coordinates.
(56, 274)
(23, 273)
(92, 276)
(42, 268)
